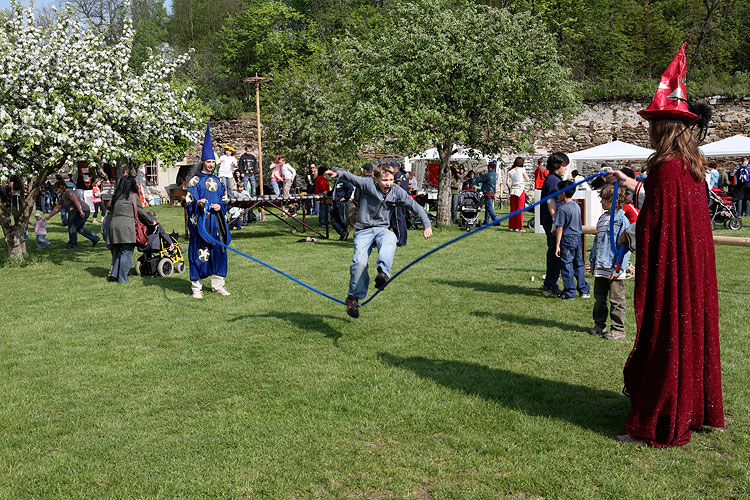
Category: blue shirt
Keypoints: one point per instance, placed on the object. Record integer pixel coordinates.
(568, 217)
(549, 187)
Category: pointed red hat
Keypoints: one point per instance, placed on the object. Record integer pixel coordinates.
(670, 100)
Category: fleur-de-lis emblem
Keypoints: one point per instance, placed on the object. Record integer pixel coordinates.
(194, 181)
(194, 220)
(211, 184)
(203, 254)
(188, 198)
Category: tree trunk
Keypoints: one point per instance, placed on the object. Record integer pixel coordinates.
(15, 225)
(445, 150)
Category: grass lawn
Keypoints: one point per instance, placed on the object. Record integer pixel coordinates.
(458, 381)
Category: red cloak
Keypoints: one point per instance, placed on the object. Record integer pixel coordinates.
(673, 374)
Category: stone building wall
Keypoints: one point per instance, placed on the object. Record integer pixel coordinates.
(597, 124)
(603, 122)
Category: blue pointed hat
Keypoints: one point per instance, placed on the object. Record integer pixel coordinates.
(208, 147)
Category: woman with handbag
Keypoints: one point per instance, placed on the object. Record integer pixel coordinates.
(123, 233)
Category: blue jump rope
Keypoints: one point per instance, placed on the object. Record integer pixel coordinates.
(619, 250)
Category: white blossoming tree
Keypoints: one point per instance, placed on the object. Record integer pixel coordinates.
(65, 95)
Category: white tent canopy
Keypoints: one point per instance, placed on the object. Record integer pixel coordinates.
(737, 145)
(460, 154)
(615, 150)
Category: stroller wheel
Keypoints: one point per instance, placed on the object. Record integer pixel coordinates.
(165, 267)
(531, 223)
(733, 224)
(180, 268)
(138, 266)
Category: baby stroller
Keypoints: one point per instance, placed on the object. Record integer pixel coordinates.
(469, 205)
(157, 258)
(722, 210)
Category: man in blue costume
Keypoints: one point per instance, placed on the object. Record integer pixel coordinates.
(207, 198)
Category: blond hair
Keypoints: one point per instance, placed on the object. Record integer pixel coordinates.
(675, 139)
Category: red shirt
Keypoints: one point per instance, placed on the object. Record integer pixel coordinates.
(539, 175)
(321, 185)
(631, 212)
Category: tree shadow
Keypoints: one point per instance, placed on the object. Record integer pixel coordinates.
(535, 321)
(481, 286)
(304, 321)
(599, 410)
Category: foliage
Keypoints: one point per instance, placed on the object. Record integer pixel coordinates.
(70, 95)
(433, 76)
(459, 381)
(263, 36)
(305, 116)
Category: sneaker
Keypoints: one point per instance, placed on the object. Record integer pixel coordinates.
(222, 291)
(595, 330)
(562, 295)
(585, 296)
(381, 279)
(547, 291)
(352, 306)
(614, 335)
(198, 294)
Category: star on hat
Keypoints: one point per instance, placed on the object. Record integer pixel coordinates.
(670, 98)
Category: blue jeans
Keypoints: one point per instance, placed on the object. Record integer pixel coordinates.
(489, 208)
(316, 208)
(41, 240)
(553, 261)
(250, 181)
(385, 241)
(571, 266)
(275, 186)
(323, 210)
(227, 181)
(122, 262)
(76, 225)
(454, 208)
(743, 207)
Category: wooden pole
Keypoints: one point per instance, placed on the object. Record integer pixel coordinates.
(718, 240)
(257, 80)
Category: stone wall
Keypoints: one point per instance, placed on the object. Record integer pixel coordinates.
(597, 124)
(603, 122)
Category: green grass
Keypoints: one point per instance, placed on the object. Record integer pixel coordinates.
(458, 381)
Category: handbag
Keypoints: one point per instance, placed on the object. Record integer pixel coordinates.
(140, 228)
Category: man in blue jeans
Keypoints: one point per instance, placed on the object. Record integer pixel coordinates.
(378, 200)
(557, 163)
(489, 186)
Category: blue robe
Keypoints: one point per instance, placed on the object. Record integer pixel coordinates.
(206, 257)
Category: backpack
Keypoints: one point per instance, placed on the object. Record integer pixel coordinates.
(743, 174)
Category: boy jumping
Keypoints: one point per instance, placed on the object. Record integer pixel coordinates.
(568, 247)
(378, 201)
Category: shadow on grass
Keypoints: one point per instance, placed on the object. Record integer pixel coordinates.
(601, 411)
(304, 321)
(480, 286)
(530, 321)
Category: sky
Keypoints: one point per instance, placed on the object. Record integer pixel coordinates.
(4, 4)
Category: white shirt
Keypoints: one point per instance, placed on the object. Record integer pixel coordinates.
(226, 165)
(288, 172)
(517, 181)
